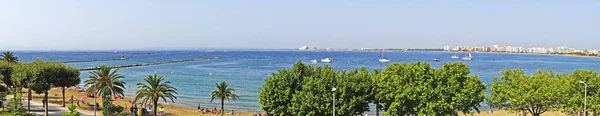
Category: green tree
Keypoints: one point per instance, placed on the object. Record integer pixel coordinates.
(276, 94)
(306, 90)
(68, 77)
(574, 91)
(156, 89)
(419, 89)
(223, 92)
(108, 108)
(105, 78)
(46, 78)
(315, 98)
(106, 83)
(72, 111)
(9, 57)
(374, 92)
(517, 91)
(355, 92)
(20, 76)
(14, 103)
(6, 70)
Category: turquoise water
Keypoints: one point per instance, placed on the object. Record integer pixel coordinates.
(246, 70)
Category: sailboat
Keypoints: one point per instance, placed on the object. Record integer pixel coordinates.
(382, 59)
(469, 57)
(454, 56)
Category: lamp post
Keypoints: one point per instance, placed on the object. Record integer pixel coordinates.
(333, 100)
(584, 98)
(95, 96)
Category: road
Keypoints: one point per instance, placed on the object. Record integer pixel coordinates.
(54, 110)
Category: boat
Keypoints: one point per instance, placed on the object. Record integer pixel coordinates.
(436, 59)
(326, 60)
(122, 57)
(313, 61)
(382, 59)
(469, 57)
(454, 56)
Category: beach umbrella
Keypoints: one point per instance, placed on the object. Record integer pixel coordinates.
(84, 98)
(115, 98)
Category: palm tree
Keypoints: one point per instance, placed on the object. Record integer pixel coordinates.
(105, 79)
(9, 57)
(223, 93)
(157, 88)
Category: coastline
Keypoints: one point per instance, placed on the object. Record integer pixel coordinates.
(565, 55)
(170, 110)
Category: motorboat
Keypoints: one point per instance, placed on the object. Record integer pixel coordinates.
(384, 60)
(436, 59)
(454, 56)
(313, 61)
(326, 60)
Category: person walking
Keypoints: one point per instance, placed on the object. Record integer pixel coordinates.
(134, 110)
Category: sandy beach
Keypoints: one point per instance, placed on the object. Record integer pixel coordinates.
(170, 110)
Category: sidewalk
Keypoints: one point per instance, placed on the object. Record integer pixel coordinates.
(53, 109)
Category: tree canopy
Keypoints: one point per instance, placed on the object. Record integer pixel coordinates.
(6, 70)
(517, 91)
(223, 92)
(156, 88)
(9, 57)
(43, 75)
(306, 90)
(419, 89)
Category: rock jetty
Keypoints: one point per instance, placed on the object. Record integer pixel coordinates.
(149, 64)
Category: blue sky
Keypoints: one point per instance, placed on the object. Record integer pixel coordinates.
(181, 24)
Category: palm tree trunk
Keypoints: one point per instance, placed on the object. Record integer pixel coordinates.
(155, 106)
(46, 103)
(63, 94)
(222, 107)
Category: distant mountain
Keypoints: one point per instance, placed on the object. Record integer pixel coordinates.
(23, 48)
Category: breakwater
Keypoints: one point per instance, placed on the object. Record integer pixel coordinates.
(79, 61)
(149, 64)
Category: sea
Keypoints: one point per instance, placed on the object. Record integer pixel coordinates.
(246, 70)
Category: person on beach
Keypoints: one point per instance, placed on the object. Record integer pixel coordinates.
(161, 110)
(215, 111)
(199, 108)
(232, 113)
(139, 111)
(134, 110)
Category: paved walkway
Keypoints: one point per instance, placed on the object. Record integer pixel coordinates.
(53, 110)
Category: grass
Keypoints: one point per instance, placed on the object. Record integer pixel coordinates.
(5, 113)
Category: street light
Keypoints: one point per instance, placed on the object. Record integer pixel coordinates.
(584, 98)
(95, 96)
(333, 100)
